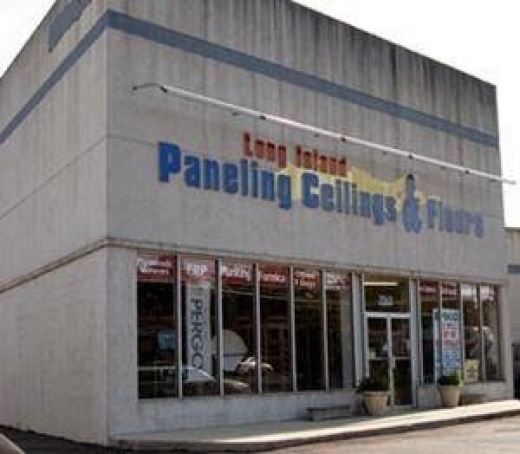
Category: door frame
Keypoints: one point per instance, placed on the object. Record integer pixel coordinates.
(388, 316)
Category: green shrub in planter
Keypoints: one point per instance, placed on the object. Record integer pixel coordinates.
(450, 380)
(376, 383)
(449, 389)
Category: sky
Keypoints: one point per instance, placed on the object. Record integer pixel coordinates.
(474, 36)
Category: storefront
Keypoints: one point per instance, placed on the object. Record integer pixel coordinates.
(227, 212)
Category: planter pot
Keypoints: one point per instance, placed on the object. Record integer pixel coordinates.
(450, 395)
(376, 402)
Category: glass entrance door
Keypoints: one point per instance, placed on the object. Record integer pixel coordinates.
(388, 353)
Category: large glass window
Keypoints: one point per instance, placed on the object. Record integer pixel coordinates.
(472, 334)
(264, 309)
(239, 334)
(490, 328)
(275, 328)
(339, 329)
(386, 294)
(309, 332)
(156, 322)
(429, 293)
(199, 369)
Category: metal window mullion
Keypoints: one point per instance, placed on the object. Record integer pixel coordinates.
(421, 334)
(390, 356)
(293, 328)
(258, 332)
(482, 340)
(415, 349)
(355, 368)
(325, 350)
(462, 328)
(220, 340)
(499, 335)
(178, 311)
(440, 308)
(362, 334)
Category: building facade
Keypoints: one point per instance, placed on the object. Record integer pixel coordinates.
(167, 263)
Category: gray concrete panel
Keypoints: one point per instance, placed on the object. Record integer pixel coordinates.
(53, 352)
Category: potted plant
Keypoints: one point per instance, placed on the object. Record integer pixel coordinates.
(375, 394)
(449, 388)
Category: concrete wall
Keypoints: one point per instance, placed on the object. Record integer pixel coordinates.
(53, 352)
(53, 163)
(52, 211)
(143, 210)
(513, 290)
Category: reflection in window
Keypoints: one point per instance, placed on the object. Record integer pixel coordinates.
(275, 328)
(472, 334)
(309, 333)
(429, 292)
(199, 369)
(490, 315)
(157, 349)
(339, 331)
(238, 308)
(386, 294)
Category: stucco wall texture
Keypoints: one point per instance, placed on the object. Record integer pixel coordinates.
(79, 188)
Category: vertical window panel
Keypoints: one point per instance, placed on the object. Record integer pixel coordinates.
(308, 325)
(156, 323)
(472, 334)
(491, 331)
(239, 334)
(199, 324)
(431, 347)
(339, 329)
(275, 328)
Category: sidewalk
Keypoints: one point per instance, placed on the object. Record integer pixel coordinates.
(261, 437)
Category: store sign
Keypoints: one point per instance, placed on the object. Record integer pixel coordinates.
(337, 281)
(236, 273)
(198, 329)
(157, 268)
(306, 279)
(448, 350)
(385, 300)
(320, 182)
(274, 276)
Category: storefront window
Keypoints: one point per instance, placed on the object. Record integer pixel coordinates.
(156, 321)
(309, 332)
(490, 328)
(472, 334)
(386, 294)
(199, 369)
(239, 334)
(339, 329)
(429, 293)
(275, 328)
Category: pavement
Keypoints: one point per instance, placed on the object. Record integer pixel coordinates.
(269, 436)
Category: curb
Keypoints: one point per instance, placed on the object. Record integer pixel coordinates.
(262, 446)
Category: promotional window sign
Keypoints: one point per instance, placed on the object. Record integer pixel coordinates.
(199, 275)
(450, 341)
(198, 329)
